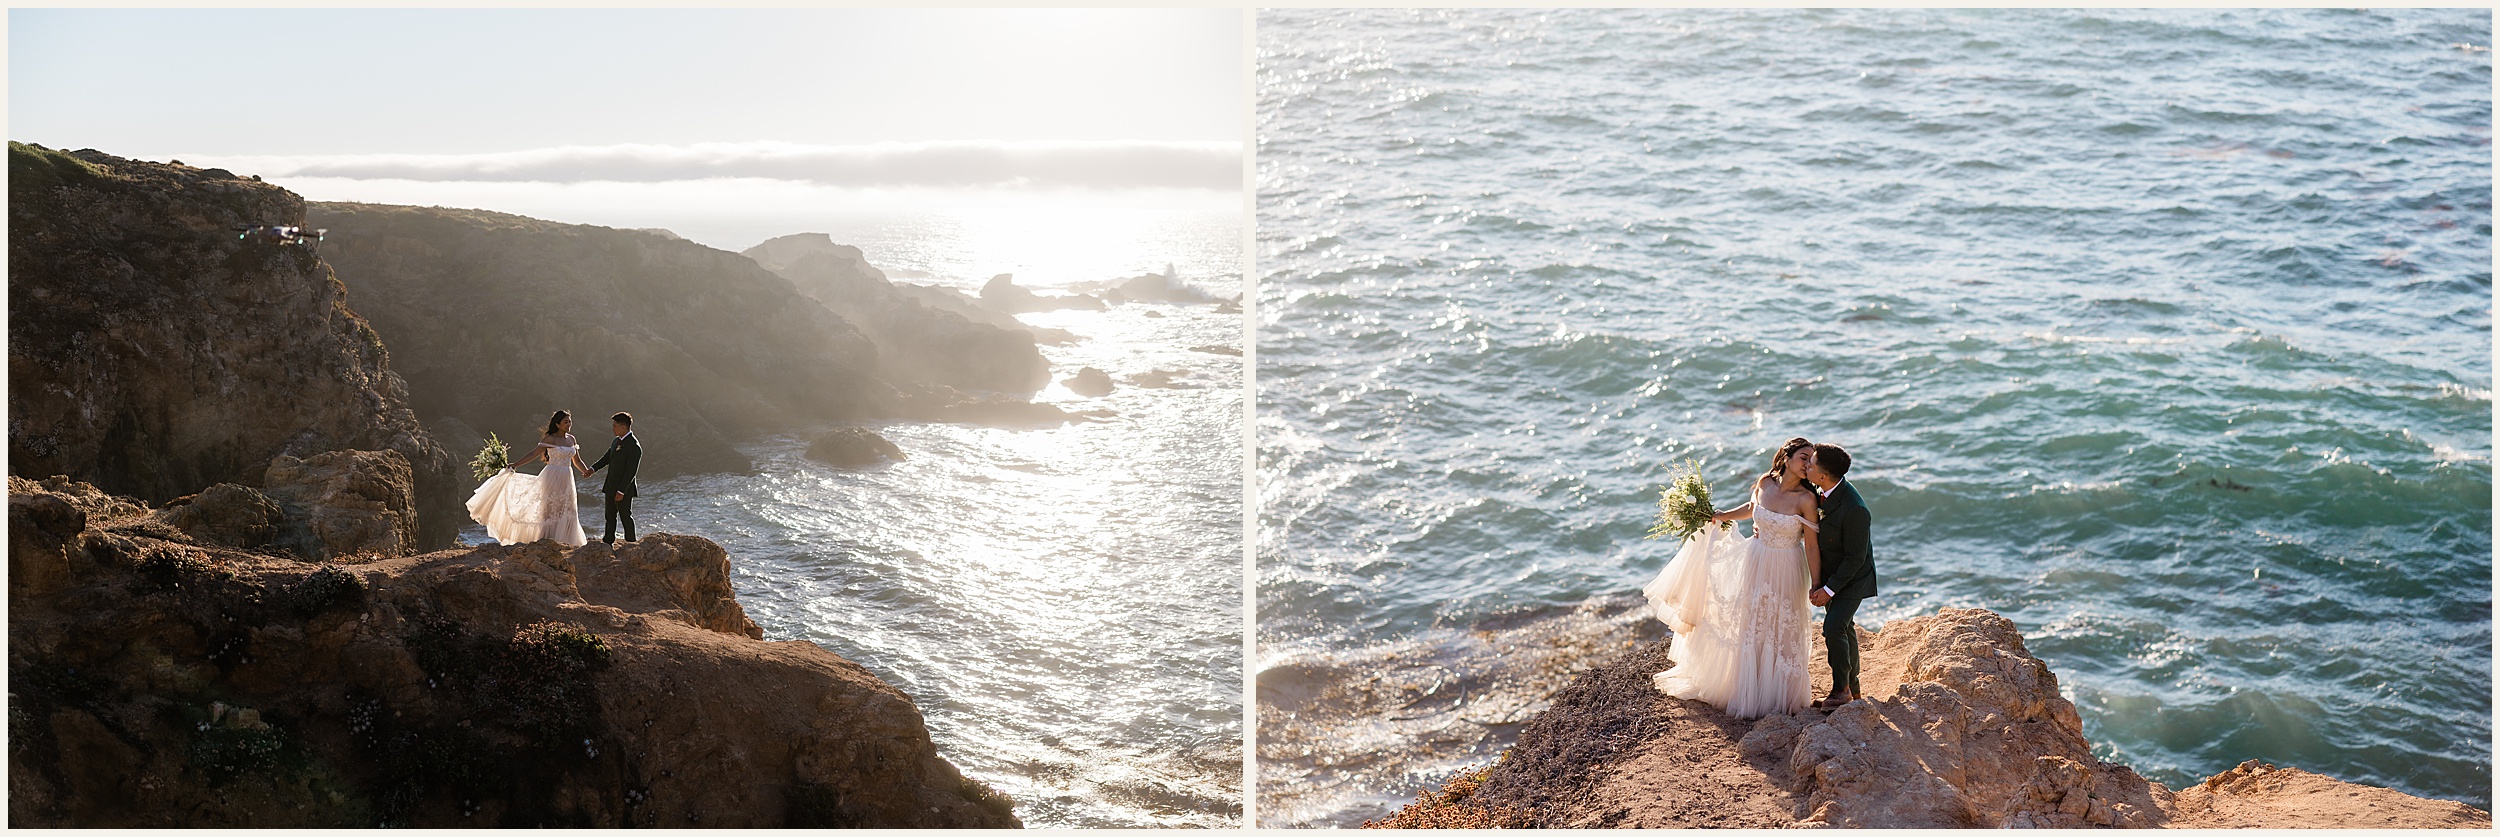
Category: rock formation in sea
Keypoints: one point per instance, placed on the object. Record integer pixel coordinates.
(920, 336)
(163, 682)
(497, 319)
(1002, 294)
(1089, 382)
(1156, 287)
(1962, 728)
(155, 349)
(853, 447)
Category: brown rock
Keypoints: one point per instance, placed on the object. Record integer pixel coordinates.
(43, 527)
(153, 354)
(1961, 727)
(343, 503)
(677, 577)
(227, 515)
(2260, 795)
(496, 686)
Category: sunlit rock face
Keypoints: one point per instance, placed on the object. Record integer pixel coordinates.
(498, 320)
(155, 352)
(1961, 727)
(159, 683)
(921, 335)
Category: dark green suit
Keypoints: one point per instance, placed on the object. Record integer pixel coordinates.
(626, 453)
(1849, 572)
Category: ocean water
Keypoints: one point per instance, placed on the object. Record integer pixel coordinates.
(2165, 334)
(1064, 605)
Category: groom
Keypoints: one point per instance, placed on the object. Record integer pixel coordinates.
(1848, 569)
(618, 492)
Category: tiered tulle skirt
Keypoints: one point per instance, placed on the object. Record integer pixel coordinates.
(1742, 624)
(522, 508)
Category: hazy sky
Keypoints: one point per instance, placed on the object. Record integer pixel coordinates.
(1117, 98)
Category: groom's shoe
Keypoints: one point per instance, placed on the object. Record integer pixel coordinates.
(1836, 701)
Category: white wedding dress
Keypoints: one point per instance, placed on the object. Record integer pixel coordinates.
(523, 508)
(1740, 615)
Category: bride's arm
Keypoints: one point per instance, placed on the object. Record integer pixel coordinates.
(1743, 512)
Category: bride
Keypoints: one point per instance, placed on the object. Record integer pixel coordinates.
(521, 508)
(1738, 605)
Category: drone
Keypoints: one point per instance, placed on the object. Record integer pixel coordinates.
(266, 234)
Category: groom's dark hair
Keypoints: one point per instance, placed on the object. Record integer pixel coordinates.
(626, 419)
(1832, 460)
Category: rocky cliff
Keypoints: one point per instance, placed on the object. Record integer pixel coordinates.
(155, 352)
(159, 682)
(920, 338)
(1962, 728)
(496, 320)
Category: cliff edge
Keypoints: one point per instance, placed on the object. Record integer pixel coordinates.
(157, 682)
(1962, 728)
(155, 350)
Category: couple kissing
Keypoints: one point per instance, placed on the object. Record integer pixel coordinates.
(1741, 606)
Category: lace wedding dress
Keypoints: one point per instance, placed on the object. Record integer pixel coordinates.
(1740, 615)
(522, 508)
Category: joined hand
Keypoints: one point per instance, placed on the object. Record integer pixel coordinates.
(1818, 598)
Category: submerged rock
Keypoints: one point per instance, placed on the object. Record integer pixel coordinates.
(938, 403)
(853, 447)
(1158, 379)
(156, 683)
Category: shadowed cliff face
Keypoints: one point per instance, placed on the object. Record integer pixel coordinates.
(918, 338)
(498, 320)
(163, 683)
(154, 354)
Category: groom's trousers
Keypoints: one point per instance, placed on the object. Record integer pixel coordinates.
(1840, 642)
(615, 509)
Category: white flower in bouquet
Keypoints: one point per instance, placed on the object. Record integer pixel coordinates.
(491, 458)
(1684, 505)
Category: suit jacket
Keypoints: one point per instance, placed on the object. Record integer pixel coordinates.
(626, 452)
(1848, 558)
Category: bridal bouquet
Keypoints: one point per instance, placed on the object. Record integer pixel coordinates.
(1684, 505)
(490, 458)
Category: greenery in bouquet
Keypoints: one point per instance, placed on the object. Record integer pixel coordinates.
(1684, 505)
(491, 458)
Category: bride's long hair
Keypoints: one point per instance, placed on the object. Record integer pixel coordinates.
(1779, 461)
(557, 420)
